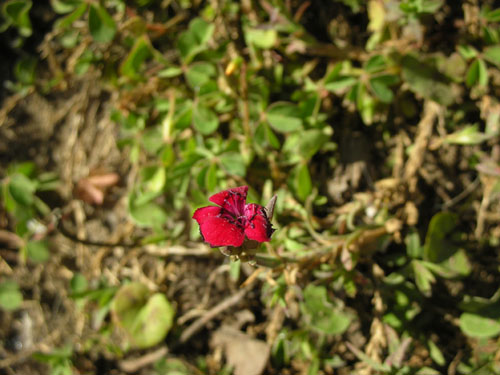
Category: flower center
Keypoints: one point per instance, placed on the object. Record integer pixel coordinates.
(233, 209)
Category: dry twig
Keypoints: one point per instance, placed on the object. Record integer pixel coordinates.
(211, 314)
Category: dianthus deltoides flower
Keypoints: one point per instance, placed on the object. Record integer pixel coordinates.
(234, 221)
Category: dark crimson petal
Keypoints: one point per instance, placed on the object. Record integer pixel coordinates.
(239, 192)
(218, 231)
(258, 226)
(204, 213)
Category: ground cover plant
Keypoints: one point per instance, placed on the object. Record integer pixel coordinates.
(367, 135)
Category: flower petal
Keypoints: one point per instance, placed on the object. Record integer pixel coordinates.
(217, 231)
(239, 194)
(204, 213)
(258, 227)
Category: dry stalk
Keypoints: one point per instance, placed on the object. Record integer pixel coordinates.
(211, 314)
(432, 111)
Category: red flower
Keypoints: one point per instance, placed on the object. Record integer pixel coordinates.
(229, 224)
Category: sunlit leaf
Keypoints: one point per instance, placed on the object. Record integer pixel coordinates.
(211, 177)
(146, 318)
(38, 251)
(147, 214)
(141, 51)
(481, 326)
(477, 74)
(340, 83)
(16, 13)
(200, 73)
(423, 278)
(467, 52)
(381, 89)
(492, 54)
(261, 38)
(68, 20)
(310, 142)
(303, 183)
(470, 135)
(322, 315)
(374, 64)
(493, 15)
(10, 295)
(234, 163)
(65, 6)
(101, 25)
(21, 188)
(284, 117)
(204, 119)
(425, 80)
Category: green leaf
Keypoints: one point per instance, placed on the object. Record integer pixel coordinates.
(234, 163)
(440, 226)
(271, 137)
(355, 5)
(65, 22)
(140, 52)
(172, 71)
(261, 38)
(467, 52)
(147, 214)
(10, 295)
(171, 366)
(21, 189)
(200, 73)
(491, 35)
(413, 247)
(334, 72)
(421, 6)
(65, 6)
(153, 322)
(425, 80)
(470, 135)
(321, 314)
(365, 103)
(195, 38)
(234, 270)
(483, 73)
(310, 142)
(284, 117)
(147, 319)
(480, 326)
(492, 54)
(102, 27)
(16, 12)
(204, 119)
(444, 257)
(431, 6)
(201, 30)
(423, 278)
(477, 74)
(78, 283)
(153, 179)
(25, 70)
(152, 140)
(493, 15)
(379, 86)
(38, 251)
(340, 83)
(211, 177)
(374, 64)
(436, 353)
(187, 45)
(303, 184)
